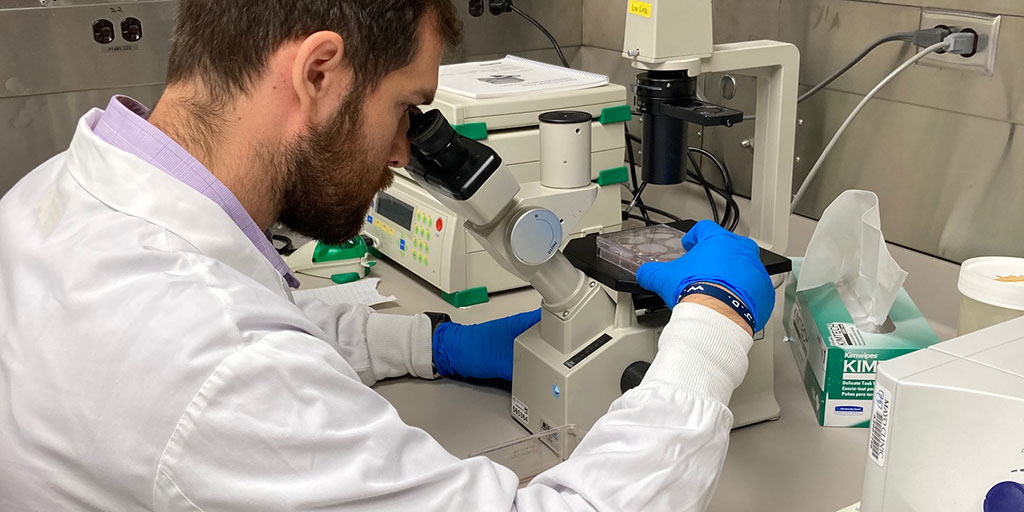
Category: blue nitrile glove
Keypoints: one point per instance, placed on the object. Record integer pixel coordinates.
(714, 255)
(481, 351)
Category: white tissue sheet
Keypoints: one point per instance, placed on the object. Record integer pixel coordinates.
(847, 249)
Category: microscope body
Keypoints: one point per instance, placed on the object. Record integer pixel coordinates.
(671, 43)
(591, 345)
(566, 368)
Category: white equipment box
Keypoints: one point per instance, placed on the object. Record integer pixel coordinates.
(947, 430)
(413, 229)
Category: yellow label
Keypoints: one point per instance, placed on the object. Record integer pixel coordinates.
(640, 8)
(1010, 279)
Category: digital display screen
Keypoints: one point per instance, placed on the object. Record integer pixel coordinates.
(396, 210)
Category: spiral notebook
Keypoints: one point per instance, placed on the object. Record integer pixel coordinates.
(513, 76)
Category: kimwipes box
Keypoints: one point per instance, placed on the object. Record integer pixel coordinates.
(836, 359)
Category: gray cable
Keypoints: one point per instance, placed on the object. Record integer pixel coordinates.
(906, 37)
(860, 106)
(899, 36)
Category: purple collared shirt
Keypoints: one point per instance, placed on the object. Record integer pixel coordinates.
(124, 126)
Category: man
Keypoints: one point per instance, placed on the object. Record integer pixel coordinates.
(151, 356)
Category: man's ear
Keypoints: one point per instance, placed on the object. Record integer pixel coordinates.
(320, 74)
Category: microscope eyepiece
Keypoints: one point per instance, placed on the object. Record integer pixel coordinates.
(454, 164)
(434, 139)
(429, 132)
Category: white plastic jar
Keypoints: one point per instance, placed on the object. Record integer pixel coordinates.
(991, 292)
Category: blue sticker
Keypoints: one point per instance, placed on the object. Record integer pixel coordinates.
(555, 391)
(849, 410)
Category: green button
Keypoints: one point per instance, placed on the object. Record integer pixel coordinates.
(425, 261)
(427, 248)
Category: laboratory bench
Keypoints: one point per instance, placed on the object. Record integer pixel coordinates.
(790, 464)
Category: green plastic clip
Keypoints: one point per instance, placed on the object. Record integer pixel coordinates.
(619, 114)
(350, 250)
(612, 176)
(466, 298)
(473, 131)
(347, 277)
(351, 277)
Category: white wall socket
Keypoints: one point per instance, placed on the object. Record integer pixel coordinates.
(987, 27)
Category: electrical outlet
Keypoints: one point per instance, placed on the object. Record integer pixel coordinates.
(985, 25)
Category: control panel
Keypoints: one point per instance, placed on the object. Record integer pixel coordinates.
(409, 232)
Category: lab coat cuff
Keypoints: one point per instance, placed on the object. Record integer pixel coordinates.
(702, 352)
(399, 345)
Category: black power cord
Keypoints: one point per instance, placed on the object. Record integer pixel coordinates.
(663, 213)
(729, 220)
(497, 7)
(637, 190)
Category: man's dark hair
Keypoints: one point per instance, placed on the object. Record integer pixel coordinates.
(227, 43)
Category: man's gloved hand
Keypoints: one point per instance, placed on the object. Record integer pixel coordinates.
(481, 351)
(714, 255)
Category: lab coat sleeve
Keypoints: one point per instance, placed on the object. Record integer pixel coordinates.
(285, 424)
(661, 445)
(376, 345)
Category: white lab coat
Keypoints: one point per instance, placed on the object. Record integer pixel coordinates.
(152, 359)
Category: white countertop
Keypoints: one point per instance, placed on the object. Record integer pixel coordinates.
(790, 464)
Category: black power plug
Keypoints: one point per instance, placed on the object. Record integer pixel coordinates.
(500, 6)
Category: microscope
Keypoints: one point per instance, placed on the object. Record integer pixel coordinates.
(593, 342)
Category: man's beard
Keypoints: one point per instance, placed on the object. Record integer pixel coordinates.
(330, 178)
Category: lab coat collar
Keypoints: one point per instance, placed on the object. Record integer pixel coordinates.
(129, 184)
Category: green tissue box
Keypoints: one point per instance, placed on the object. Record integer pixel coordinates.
(836, 359)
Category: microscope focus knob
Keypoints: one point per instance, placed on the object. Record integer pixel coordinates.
(1005, 497)
(633, 375)
(536, 236)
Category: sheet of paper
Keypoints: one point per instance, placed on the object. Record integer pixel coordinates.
(513, 76)
(363, 291)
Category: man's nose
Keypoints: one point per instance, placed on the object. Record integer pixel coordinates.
(399, 154)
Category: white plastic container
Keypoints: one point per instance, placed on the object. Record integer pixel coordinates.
(991, 292)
